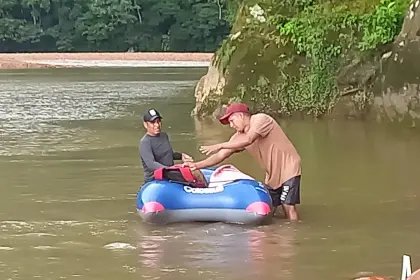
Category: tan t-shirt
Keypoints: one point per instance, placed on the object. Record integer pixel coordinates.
(273, 150)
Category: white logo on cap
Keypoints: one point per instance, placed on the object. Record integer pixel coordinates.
(152, 112)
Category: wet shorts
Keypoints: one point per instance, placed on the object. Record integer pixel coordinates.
(288, 193)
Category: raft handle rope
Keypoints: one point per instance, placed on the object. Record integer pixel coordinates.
(191, 184)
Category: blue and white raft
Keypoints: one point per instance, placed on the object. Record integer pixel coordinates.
(231, 197)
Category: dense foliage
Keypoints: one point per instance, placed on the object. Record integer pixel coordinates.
(325, 33)
(325, 37)
(113, 25)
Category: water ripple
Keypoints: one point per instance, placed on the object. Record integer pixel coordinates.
(32, 112)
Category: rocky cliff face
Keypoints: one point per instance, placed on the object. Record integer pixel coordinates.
(208, 92)
(246, 57)
(384, 85)
(397, 90)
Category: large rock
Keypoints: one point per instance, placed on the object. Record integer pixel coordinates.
(254, 65)
(251, 62)
(208, 92)
(397, 91)
(246, 57)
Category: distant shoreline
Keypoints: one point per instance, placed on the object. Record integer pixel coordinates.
(112, 59)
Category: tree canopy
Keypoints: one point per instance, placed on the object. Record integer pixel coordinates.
(113, 25)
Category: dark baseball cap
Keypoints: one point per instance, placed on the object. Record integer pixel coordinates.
(233, 108)
(151, 115)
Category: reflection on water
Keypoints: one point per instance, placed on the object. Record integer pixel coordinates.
(218, 249)
(70, 172)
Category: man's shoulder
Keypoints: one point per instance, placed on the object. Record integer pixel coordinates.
(262, 119)
(145, 138)
(262, 124)
(262, 116)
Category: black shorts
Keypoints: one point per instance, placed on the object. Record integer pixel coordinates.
(288, 193)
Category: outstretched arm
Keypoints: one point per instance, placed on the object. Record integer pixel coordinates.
(240, 142)
(237, 142)
(214, 159)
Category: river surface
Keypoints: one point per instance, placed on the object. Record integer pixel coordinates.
(70, 171)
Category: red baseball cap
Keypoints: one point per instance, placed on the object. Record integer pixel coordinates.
(233, 108)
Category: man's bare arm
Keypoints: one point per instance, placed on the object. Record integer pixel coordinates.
(239, 143)
(215, 158)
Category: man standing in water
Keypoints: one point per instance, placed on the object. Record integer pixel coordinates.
(264, 139)
(155, 148)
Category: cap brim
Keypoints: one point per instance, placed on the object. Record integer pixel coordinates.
(225, 119)
(152, 119)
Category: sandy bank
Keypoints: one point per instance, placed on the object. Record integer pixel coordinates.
(65, 60)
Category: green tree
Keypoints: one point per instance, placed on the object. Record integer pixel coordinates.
(113, 25)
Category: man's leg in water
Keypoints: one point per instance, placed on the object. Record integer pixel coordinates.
(291, 212)
(288, 195)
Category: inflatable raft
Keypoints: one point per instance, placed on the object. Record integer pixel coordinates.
(231, 197)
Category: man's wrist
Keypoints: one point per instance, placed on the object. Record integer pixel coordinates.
(177, 156)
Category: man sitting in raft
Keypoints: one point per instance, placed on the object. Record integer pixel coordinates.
(264, 139)
(155, 148)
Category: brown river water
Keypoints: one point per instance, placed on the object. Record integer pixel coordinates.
(70, 171)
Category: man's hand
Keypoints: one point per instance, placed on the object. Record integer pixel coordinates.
(186, 158)
(190, 164)
(210, 149)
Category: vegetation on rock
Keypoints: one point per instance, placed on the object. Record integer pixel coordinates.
(114, 25)
(302, 55)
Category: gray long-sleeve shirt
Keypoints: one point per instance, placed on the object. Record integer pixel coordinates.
(156, 152)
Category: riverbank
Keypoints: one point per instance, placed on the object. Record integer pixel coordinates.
(326, 61)
(127, 59)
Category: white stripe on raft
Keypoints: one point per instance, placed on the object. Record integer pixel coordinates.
(225, 174)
